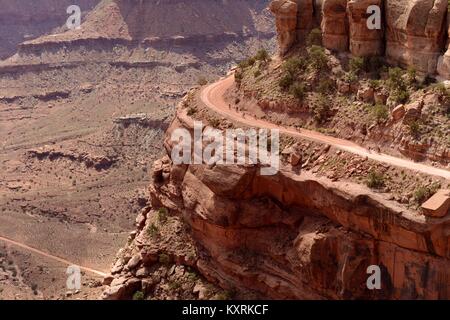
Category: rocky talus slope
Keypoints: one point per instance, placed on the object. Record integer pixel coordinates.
(413, 33)
(289, 236)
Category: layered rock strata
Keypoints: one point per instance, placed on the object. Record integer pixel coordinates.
(412, 33)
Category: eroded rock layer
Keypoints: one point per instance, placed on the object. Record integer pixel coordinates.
(296, 236)
(411, 33)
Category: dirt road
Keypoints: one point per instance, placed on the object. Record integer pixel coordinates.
(50, 256)
(213, 97)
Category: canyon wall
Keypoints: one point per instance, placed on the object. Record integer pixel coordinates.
(292, 236)
(413, 33)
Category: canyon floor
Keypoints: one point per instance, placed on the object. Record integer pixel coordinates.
(82, 119)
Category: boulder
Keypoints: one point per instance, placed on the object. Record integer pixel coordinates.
(398, 112)
(413, 111)
(366, 94)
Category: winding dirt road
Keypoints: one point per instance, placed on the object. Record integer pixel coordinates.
(50, 256)
(213, 97)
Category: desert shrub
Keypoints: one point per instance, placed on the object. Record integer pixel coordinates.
(286, 81)
(298, 91)
(162, 215)
(375, 84)
(395, 79)
(326, 85)
(314, 38)
(397, 85)
(191, 111)
(202, 81)
(138, 295)
(375, 180)
(350, 77)
(411, 73)
(174, 285)
(415, 129)
(318, 57)
(423, 193)
(257, 73)
(164, 259)
(356, 65)
(247, 63)
(262, 55)
(401, 96)
(238, 76)
(380, 112)
(321, 108)
(153, 230)
(294, 65)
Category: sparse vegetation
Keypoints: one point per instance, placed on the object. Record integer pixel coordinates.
(294, 65)
(415, 129)
(138, 295)
(153, 231)
(162, 215)
(262, 55)
(356, 65)
(191, 111)
(314, 38)
(286, 81)
(321, 108)
(202, 81)
(380, 112)
(397, 85)
(318, 58)
(164, 259)
(298, 91)
(423, 193)
(375, 180)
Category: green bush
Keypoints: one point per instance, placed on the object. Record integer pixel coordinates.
(318, 57)
(321, 109)
(350, 77)
(356, 65)
(247, 63)
(238, 77)
(162, 215)
(191, 111)
(397, 85)
(375, 180)
(411, 72)
(286, 81)
(202, 81)
(380, 112)
(262, 55)
(326, 85)
(138, 295)
(298, 91)
(395, 79)
(153, 230)
(423, 193)
(164, 259)
(294, 65)
(415, 129)
(314, 38)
